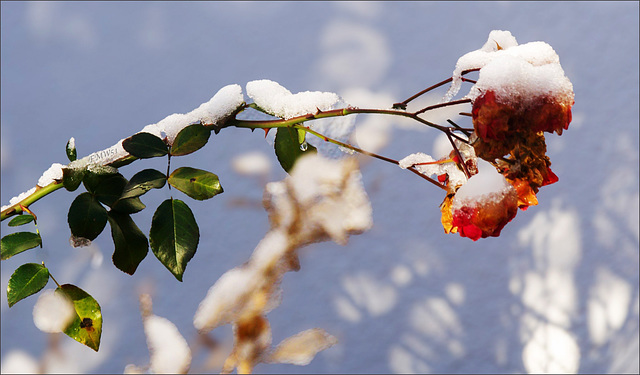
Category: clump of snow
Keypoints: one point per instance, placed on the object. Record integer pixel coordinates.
(485, 186)
(252, 163)
(170, 353)
(53, 312)
(300, 349)
(515, 80)
(17, 199)
(227, 299)
(278, 101)
(232, 296)
(72, 143)
(321, 199)
(50, 175)
(19, 362)
(434, 168)
(321, 196)
(222, 105)
(514, 72)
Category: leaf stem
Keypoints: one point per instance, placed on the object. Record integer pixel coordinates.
(52, 278)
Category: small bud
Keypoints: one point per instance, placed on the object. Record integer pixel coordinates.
(71, 149)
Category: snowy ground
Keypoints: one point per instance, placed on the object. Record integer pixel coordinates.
(558, 291)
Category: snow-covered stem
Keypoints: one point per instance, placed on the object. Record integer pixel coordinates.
(280, 123)
(39, 193)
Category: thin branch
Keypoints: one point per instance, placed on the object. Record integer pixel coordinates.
(371, 154)
(455, 148)
(440, 105)
(466, 132)
(404, 103)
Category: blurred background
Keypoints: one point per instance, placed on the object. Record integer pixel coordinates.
(557, 291)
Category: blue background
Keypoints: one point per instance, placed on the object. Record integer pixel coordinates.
(403, 297)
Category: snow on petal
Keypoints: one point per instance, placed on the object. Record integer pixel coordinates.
(486, 185)
(53, 312)
(278, 101)
(498, 40)
(301, 348)
(170, 352)
(513, 71)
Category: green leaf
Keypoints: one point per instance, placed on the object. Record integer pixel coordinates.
(16, 243)
(131, 245)
(94, 177)
(72, 177)
(20, 220)
(128, 206)
(142, 182)
(289, 147)
(86, 328)
(109, 188)
(71, 150)
(196, 183)
(87, 218)
(145, 145)
(27, 280)
(190, 139)
(174, 235)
